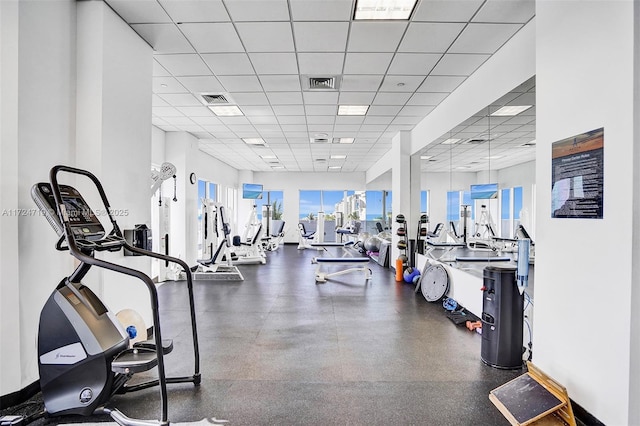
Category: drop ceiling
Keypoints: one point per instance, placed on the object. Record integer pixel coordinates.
(260, 55)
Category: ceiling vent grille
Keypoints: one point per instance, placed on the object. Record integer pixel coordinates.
(215, 98)
(320, 140)
(475, 141)
(322, 83)
(329, 83)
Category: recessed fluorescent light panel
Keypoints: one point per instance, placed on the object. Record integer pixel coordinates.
(384, 9)
(451, 141)
(226, 110)
(253, 141)
(493, 157)
(352, 109)
(277, 167)
(335, 167)
(338, 157)
(509, 111)
(343, 140)
(268, 157)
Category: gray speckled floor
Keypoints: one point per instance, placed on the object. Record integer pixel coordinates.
(278, 348)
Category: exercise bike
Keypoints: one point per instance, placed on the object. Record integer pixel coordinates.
(84, 355)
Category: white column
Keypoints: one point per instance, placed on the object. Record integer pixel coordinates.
(588, 268)
(113, 133)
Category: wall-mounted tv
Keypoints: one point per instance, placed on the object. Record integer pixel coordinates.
(484, 191)
(252, 191)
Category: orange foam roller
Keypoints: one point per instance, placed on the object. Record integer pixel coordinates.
(398, 269)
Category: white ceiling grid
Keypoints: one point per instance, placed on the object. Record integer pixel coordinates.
(260, 53)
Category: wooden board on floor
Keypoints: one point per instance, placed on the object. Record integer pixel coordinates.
(533, 398)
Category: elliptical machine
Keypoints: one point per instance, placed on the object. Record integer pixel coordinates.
(84, 356)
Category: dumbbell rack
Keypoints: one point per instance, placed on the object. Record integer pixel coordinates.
(403, 244)
(423, 229)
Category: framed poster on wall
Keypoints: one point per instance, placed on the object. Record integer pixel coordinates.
(578, 176)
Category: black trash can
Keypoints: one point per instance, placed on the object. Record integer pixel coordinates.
(502, 318)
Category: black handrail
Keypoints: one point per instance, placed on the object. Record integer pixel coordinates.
(88, 259)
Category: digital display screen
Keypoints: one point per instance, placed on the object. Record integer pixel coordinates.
(251, 191)
(484, 191)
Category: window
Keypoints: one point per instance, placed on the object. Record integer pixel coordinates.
(424, 202)
(505, 213)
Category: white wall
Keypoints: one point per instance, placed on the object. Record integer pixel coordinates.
(37, 133)
(584, 81)
(114, 69)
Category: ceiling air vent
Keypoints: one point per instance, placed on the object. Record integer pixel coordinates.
(215, 98)
(322, 83)
(475, 141)
(320, 140)
(329, 83)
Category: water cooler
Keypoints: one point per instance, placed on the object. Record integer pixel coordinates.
(502, 318)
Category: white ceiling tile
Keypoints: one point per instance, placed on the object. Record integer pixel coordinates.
(320, 98)
(234, 121)
(159, 71)
(288, 109)
(321, 119)
(406, 120)
(240, 83)
(156, 100)
(356, 98)
(432, 37)
(361, 83)
(208, 121)
(241, 128)
(444, 83)
(320, 63)
(459, 64)
(292, 119)
(384, 109)
(215, 128)
(251, 110)
(293, 127)
(516, 11)
(321, 36)
(212, 37)
(401, 83)
(382, 36)
(195, 10)
(446, 11)
(372, 128)
(416, 110)
(427, 98)
(167, 85)
(280, 83)
(258, 10)
(266, 36)
(204, 84)
(229, 63)
(285, 98)
(320, 10)
(274, 63)
(414, 63)
(193, 111)
(483, 38)
(263, 119)
(250, 98)
(382, 119)
(387, 98)
(349, 120)
(140, 11)
(322, 128)
(367, 63)
(183, 64)
(163, 38)
(320, 109)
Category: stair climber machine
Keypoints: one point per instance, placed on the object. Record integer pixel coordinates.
(84, 355)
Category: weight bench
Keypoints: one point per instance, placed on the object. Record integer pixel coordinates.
(323, 276)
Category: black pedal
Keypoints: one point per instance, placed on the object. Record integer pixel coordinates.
(167, 345)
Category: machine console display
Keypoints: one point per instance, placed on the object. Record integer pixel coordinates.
(84, 223)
